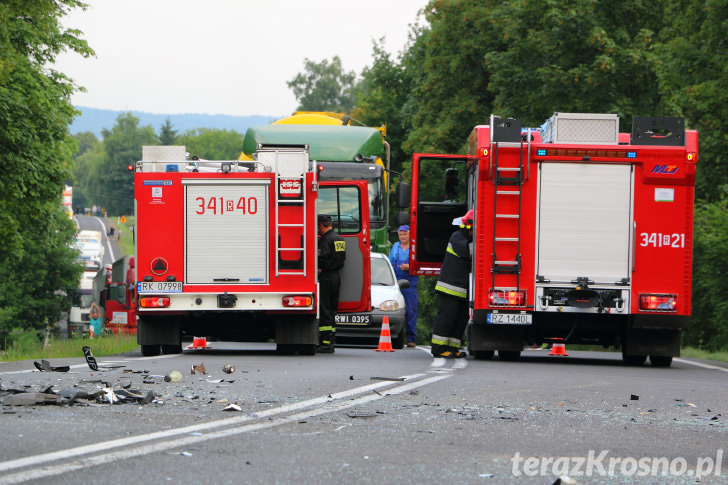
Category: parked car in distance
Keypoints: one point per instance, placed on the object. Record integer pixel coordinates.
(364, 328)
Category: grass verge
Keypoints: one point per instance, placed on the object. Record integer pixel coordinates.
(29, 349)
(694, 353)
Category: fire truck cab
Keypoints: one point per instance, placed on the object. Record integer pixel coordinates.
(228, 249)
(582, 234)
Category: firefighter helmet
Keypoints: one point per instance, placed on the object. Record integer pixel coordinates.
(464, 221)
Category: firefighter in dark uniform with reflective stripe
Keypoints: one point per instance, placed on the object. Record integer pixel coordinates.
(452, 291)
(331, 256)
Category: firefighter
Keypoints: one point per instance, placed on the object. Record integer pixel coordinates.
(452, 291)
(331, 256)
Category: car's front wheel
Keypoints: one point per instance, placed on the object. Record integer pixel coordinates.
(399, 340)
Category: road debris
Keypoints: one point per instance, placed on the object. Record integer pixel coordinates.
(634, 397)
(232, 407)
(198, 369)
(228, 368)
(45, 366)
(90, 359)
(174, 376)
(399, 379)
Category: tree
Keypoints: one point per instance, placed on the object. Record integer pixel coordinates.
(708, 328)
(167, 136)
(214, 144)
(88, 165)
(324, 86)
(575, 56)
(36, 262)
(114, 189)
(692, 74)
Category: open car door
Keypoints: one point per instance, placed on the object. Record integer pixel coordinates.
(440, 193)
(347, 202)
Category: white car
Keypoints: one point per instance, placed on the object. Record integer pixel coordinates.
(387, 300)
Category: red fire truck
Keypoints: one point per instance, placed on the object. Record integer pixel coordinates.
(582, 234)
(118, 297)
(228, 249)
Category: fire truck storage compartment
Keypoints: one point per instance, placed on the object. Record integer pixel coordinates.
(584, 222)
(226, 231)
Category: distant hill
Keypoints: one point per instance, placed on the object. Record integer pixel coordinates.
(95, 120)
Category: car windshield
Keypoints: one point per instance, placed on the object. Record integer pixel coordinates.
(381, 274)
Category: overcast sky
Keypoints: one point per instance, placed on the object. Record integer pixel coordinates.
(222, 56)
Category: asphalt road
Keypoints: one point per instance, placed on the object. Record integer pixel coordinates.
(93, 223)
(364, 416)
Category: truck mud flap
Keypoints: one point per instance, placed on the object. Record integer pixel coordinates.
(157, 330)
(494, 337)
(651, 342)
(297, 331)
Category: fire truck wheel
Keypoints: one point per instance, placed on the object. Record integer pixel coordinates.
(306, 349)
(509, 355)
(172, 349)
(150, 350)
(483, 354)
(634, 359)
(660, 361)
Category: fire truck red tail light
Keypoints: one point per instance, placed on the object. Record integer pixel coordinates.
(507, 297)
(297, 301)
(658, 303)
(154, 301)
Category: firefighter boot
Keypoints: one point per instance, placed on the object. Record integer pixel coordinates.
(326, 343)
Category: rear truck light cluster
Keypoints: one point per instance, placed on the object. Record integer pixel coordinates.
(507, 297)
(297, 301)
(154, 301)
(658, 303)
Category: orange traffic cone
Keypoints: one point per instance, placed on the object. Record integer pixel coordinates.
(198, 343)
(559, 349)
(385, 339)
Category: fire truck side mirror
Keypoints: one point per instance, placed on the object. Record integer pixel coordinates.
(403, 195)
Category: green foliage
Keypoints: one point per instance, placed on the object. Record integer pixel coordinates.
(213, 144)
(88, 163)
(35, 111)
(28, 346)
(114, 184)
(575, 56)
(693, 75)
(324, 86)
(167, 136)
(710, 263)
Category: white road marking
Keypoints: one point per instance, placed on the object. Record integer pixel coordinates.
(82, 450)
(327, 406)
(700, 364)
(101, 364)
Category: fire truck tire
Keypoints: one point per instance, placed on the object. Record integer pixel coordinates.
(171, 348)
(150, 350)
(306, 349)
(634, 360)
(483, 354)
(660, 360)
(509, 355)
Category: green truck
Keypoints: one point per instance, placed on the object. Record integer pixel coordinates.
(343, 151)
